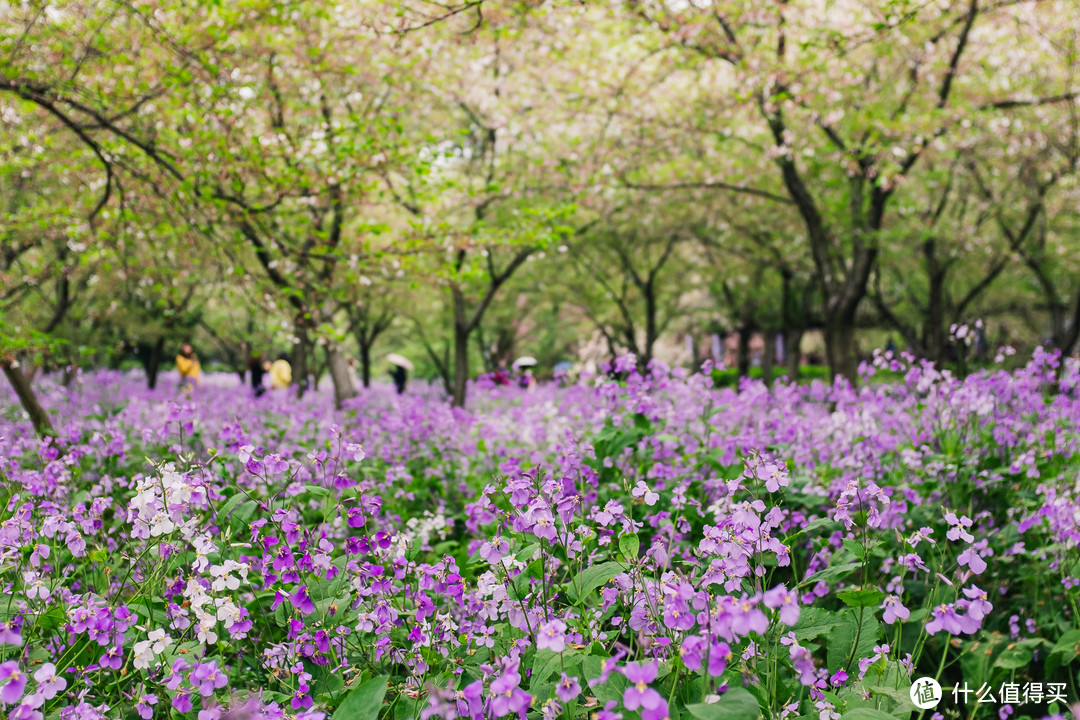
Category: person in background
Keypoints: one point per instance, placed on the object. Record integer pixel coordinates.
(190, 371)
(502, 375)
(526, 381)
(281, 373)
(258, 367)
(400, 376)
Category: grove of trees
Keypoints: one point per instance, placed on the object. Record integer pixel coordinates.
(486, 178)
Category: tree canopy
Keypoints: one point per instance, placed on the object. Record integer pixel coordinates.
(474, 180)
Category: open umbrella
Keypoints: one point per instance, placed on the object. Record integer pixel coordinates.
(525, 362)
(395, 359)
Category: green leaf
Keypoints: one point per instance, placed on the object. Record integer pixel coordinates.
(814, 622)
(867, 597)
(528, 553)
(231, 503)
(546, 665)
(736, 704)
(1068, 647)
(844, 636)
(1013, 658)
(814, 525)
(612, 689)
(866, 714)
(833, 572)
(630, 545)
(364, 702)
(591, 578)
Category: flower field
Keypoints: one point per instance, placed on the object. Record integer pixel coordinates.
(652, 547)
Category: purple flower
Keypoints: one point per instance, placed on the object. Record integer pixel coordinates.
(787, 601)
(692, 651)
(182, 702)
(302, 601)
(507, 697)
(112, 658)
(9, 633)
(719, 656)
(660, 712)
(894, 610)
(971, 559)
(300, 699)
(48, 682)
(144, 706)
(678, 615)
(568, 688)
(608, 713)
(176, 677)
(977, 605)
(552, 636)
(12, 682)
(639, 694)
(607, 666)
(208, 678)
(946, 618)
(958, 527)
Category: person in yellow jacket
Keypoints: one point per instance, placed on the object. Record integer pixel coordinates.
(281, 373)
(190, 370)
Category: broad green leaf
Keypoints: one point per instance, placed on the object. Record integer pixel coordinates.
(629, 544)
(867, 714)
(847, 633)
(1013, 658)
(591, 578)
(833, 572)
(867, 597)
(815, 622)
(736, 704)
(364, 702)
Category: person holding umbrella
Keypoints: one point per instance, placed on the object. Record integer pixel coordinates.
(400, 372)
(524, 365)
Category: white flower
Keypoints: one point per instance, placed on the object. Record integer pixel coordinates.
(35, 588)
(356, 451)
(143, 654)
(160, 639)
(245, 453)
(227, 612)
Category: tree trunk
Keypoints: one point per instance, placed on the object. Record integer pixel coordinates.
(317, 367)
(152, 364)
(742, 359)
(339, 375)
(299, 363)
(651, 331)
(840, 346)
(40, 419)
(461, 364)
(486, 360)
(934, 333)
(769, 357)
(365, 364)
(461, 348)
(793, 353)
